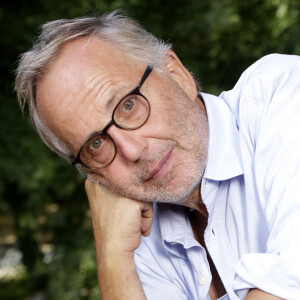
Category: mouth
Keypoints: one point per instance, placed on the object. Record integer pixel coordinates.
(161, 168)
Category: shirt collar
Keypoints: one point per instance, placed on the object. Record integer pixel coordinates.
(224, 158)
(170, 217)
(223, 162)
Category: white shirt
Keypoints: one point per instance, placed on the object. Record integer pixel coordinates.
(251, 188)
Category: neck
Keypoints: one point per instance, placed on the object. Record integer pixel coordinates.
(195, 202)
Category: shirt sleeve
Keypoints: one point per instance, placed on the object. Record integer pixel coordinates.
(277, 177)
(156, 283)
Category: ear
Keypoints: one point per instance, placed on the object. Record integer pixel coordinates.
(180, 74)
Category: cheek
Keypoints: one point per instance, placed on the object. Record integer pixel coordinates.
(163, 117)
(155, 125)
(116, 173)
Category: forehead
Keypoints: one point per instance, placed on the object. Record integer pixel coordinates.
(82, 77)
(80, 61)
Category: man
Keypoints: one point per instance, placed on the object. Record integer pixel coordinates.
(222, 172)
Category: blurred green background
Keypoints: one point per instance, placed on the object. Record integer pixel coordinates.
(46, 242)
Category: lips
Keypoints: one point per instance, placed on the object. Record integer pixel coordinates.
(160, 167)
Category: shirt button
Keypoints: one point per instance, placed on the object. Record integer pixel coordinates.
(202, 280)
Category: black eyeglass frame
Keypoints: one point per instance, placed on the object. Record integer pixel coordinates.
(135, 91)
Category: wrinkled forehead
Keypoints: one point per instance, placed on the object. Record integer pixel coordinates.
(79, 61)
(85, 74)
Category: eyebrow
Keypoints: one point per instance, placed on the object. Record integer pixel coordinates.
(113, 97)
(109, 104)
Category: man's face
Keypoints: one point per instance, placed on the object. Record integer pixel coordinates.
(163, 160)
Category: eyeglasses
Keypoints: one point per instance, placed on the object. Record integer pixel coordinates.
(131, 112)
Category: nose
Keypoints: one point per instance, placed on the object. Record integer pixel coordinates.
(130, 145)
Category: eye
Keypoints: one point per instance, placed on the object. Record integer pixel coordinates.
(128, 104)
(96, 143)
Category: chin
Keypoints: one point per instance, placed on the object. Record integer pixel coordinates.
(176, 187)
(164, 192)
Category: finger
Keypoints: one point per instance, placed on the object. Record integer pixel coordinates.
(88, 185)
(92, 188)
(147, 210)
(95, 191)
(147, 219)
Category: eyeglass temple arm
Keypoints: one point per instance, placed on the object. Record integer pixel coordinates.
(145, 75)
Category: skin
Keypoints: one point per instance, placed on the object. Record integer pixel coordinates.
(72, 99)
(76, 90)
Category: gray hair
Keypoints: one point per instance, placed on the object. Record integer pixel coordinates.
(115, 28)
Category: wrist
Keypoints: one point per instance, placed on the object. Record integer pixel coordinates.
(112, 253)
(117, 272)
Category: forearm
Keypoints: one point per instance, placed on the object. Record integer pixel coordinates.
(257, 294)
(117, 275)
(118, 224)
(118, 278)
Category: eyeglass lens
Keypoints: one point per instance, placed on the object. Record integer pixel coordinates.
(130, 113)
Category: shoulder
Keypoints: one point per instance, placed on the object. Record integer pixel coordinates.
(275, 60)
(265, 73)
(274, 78)
(272, 64)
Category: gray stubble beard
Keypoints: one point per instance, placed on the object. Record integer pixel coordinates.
(163, 191)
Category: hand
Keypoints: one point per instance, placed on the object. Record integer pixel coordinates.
(118, 222)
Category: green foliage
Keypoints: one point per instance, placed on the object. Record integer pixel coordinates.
(17, 289)
(42, 201)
